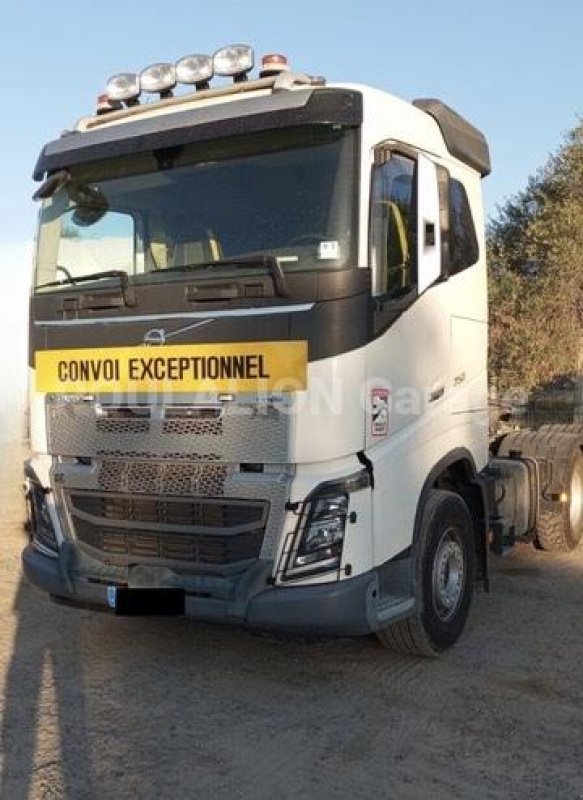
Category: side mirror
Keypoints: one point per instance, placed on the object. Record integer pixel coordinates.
(85, 216)
(52, 185)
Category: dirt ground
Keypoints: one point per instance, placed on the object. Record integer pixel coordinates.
(94, 706)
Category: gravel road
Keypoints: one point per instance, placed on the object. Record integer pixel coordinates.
(98, 707)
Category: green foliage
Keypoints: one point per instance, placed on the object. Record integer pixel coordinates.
(535, 250)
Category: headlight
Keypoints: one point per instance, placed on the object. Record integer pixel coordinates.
(323, 534)
(158, 78)
(125, 86)
(235, 60)
(319, 538)
(318, 544)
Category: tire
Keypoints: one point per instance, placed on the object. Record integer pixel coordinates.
(445, 566)
(560, 525)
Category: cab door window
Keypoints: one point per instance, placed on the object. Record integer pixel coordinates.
(393, 226)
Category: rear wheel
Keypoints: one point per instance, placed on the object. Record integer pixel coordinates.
(560, 526)
(557, 449)
(444, 578)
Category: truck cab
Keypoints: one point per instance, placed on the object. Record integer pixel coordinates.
(258, 355)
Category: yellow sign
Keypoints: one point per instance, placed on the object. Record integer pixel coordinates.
(241, 367)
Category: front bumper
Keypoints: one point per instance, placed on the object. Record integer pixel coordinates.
(349, 607)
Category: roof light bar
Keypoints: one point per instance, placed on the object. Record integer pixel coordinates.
(124, 87)
(105, 104)
(195, 70)
(158, 78)
(235, 61)
(273, 64)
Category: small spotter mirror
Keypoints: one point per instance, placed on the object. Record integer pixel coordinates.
(52, 185)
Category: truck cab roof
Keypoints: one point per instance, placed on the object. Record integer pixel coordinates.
(264, 104)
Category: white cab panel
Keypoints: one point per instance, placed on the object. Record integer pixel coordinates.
(328, 418)
(428, 227)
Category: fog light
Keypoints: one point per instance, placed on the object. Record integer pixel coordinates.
(195, 70)
(236, 61)
(160, 78)
(124, 87)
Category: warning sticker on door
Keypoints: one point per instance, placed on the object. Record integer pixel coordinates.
(379, 405)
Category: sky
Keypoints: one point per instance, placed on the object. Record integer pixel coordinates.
(514, 69)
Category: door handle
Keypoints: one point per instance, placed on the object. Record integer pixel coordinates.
(430, 236)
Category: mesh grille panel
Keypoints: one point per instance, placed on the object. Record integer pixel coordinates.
(242, 430)
(158, 457)
(206, 480)
(193, 427)
(122, 426)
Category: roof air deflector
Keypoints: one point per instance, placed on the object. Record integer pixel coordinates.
(462, 139)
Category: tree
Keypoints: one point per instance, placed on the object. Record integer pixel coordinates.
(536, 275)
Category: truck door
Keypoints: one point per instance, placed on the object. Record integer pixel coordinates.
(409, 355)
(408, 425)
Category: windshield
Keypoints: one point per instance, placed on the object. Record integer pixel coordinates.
(287, 194)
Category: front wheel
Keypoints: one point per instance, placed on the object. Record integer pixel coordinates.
(444, 579)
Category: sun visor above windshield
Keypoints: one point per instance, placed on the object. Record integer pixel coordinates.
(251, 115)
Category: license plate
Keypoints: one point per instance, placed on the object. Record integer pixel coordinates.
(130, 602)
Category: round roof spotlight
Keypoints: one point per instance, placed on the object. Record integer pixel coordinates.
(273, 64)
(124, 87)
(234, 61)
(158, 78)
(195, 70)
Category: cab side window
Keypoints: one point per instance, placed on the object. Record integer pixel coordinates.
(393, 225)
(463, 242)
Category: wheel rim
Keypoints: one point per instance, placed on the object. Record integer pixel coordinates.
(576, 503)
(448, 574)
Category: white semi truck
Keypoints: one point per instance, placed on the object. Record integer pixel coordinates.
(258, 342)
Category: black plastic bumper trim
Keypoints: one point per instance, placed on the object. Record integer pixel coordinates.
(351, 607)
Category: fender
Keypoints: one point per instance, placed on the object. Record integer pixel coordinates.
(473, 488)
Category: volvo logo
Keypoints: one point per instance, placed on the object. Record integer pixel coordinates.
(158, 336)
(155, 336)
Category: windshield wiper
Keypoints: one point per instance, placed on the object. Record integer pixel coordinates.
(269, 262)
(127, 291)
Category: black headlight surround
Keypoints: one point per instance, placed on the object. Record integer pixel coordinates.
(42, 531)
(353, 483)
